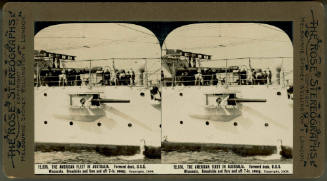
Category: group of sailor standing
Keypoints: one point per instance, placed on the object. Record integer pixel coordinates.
(212, 77)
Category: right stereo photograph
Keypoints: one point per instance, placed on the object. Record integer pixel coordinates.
(227, 94)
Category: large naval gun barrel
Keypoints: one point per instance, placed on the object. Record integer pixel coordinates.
(247, 100)
(101, 100)
(234, 101)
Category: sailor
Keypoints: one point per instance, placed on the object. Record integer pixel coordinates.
(133, 77)
(78, 78)
(269, 77)
(218, 101)
(128, 78)
(290, 92)
(106, 77)
(122, 77)
(214, 77)
(69, 77)
(243, 76)
(113, 77)
(162, 77)
(63, 78)
(210, 74)
(194, 62)
(73, 77)
(254, 79)
(259, 77)
(58, 63)
(82, 101)
(117, 77)
(264, 77)
(35, 80)
(205, 77)
(43, 79)
(84, 78)
(198, 78)
(155, 93)
(250, 77)
(238, 81)
(48, 80)
(181, 79)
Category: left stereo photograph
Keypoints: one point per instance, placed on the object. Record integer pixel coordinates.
(97, 94)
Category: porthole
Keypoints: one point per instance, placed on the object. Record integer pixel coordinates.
(235, 123)
(45, 94)
(71, 123)
(207, 123)
(129, 124)
(45, 122)
(142, 94)
(159, 125)
(266, 124)
(180, 94)
(279, 93)
(180, 122)
(99, 124)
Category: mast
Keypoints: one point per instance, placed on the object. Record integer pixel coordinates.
(90, 74)
(114, 72)
(113, 64)
(37, 74)
(174, 73)
(145, 76)
(226, 74)
(283, 75)
(250, 63)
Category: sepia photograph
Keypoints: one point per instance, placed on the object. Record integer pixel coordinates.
(227, 94)
(163, 90)
(97, 94)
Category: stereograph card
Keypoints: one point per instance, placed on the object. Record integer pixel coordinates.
(173, 90)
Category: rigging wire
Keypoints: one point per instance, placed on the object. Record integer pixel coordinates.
(136, 30)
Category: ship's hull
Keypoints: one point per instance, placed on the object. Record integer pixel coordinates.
(112, 128)
(188, 123)
(250, 128)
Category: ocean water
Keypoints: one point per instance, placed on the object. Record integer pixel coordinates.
(217, 157)
(65, 157)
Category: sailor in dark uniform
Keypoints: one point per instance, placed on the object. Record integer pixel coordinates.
(155, 93)
(218, 101)
(133, 77)
(162, 77)
(106, 77)
(290, 92)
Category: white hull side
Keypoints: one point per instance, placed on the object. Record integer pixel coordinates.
(114, 129)
(250, 129)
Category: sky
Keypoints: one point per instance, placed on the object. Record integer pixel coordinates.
(235, 40)
(101, 42)
(120, 40)
(98, 40)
